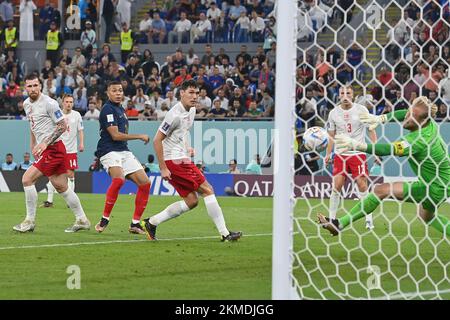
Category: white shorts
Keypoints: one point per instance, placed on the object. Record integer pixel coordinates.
(124, 159)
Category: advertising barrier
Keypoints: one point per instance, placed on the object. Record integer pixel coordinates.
(243, 185)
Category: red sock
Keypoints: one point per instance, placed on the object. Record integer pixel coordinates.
(141, 200)
(111, 195)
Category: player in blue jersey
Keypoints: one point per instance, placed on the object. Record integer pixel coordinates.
(118, 161)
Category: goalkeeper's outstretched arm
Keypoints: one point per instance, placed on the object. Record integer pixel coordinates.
(344, 143)
(373, 121)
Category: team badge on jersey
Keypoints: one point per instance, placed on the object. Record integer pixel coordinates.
(165, 126)
(58, 114)
(110, 118)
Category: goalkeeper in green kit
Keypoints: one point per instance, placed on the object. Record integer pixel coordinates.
(427, 155)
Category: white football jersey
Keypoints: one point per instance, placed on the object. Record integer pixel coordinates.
(176, 126)
(43, 114)
(347, 122)
(69, 137)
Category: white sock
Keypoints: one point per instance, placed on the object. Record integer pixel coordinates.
(72, 183)
(134, 221)
(215, 212)
(334, 203)
(361, 196)
(74, 203)
(172, 211)
(31, 198)
(50, 192)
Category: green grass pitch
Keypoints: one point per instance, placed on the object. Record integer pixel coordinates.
(189, 261)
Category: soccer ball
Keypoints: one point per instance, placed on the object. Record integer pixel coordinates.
(315, 139)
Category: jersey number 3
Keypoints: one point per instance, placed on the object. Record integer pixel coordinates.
(349, 127)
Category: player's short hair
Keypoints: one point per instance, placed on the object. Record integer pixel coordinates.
(114, 83)
(66, 95)
(430, 106)
(31, 76)
(189, 84)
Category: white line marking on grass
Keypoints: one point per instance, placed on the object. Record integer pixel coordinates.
(56, 245)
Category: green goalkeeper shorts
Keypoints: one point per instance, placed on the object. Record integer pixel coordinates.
(416, 192)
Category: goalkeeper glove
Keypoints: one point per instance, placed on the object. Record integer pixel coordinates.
(371, 120)
(344, 143)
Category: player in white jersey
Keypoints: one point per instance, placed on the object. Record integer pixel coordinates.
(69, 138)
(344, 119)
(47, 125)
(172, 148)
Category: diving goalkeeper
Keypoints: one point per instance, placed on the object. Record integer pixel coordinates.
(427, 155)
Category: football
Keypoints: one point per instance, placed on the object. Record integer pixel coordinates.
(315, 139)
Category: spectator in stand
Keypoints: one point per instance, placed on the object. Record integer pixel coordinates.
(254, 167)
(148, 113)
(139, 99)
(91, 12)
(253, 111)
(26, 163)
(26, 20)
(108, 14)
(213, 14)
(45, 15)
(88, 39)
(223, 100)
(182, 77)
(236, 110)
(232, 167)
(80, 103)
(200, 28)
(106, 52)
(158, 30)
(161, 113)
(181, 30)
(243, 53)
(11, 89)
(6, 11)
(144, 28)
(204, 100)
(124, 11)
(54, 42)
(156, 100)
(235, 11)
(243, 26)
(216, 80)
(207, 54)
(385, 76)
(56, 15)
(78, 60)
(127, 39)
(9, 164)
(93, 113)
(151, 166)
(257, 27)
(400, 103)
(170, 100)
(49, 87)
(267, 76)
(131, 111)
(81, 87)
(217, 111)
(442, 114)
(267, 103)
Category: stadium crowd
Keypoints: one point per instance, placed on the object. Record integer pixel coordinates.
(416, 62)
(243, 88)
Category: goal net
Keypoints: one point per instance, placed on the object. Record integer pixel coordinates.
(389, 52)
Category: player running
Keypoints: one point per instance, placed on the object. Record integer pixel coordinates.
(427, 155)
(344, 119)
(172, 149)
(118, 161)
(47, 125)
(69, 138)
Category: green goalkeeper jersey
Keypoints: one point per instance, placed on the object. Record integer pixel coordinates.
(427, 155)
